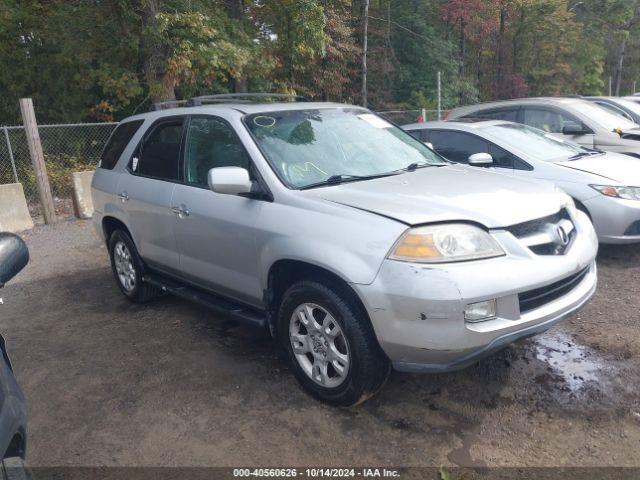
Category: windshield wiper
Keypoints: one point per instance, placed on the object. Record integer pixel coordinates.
(588, 153)
(412, 167)
(338, 179)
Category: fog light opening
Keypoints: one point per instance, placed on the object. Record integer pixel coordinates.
(480, 311)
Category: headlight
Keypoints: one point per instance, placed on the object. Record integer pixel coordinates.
(627, 193)
(445, 243)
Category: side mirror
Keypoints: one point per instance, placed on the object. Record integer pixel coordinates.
(14, 256)
(481, 160)
(429, 144)
(229, 180)
(574, 129)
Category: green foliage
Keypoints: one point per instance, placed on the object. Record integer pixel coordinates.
(104, 60)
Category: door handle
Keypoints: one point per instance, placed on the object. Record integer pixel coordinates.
(124, 196)
(181, 211)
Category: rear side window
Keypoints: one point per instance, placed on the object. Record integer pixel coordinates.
(457, 146)
(118, 141)
(507, 114)
(160, 155)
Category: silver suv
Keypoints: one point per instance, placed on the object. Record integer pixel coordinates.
(353, 243)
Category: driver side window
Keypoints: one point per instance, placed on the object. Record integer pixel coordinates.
(457, 146)
(550, 121)
(212, 143)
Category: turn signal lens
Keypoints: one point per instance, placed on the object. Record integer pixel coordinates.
(627, 193)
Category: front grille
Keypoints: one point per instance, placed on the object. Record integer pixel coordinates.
(537, 297)
(634, 229)
(541, 235)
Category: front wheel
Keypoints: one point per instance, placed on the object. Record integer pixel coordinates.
(330, 344)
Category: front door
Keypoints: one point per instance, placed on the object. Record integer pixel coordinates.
(553, 121)
(145, 190)
(215, 233)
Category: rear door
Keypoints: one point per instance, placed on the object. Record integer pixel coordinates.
(216, 233)
(146, 190)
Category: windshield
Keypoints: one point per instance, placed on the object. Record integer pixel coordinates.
(602, 116)
(307, 147)
(535, 143)
(629, 105)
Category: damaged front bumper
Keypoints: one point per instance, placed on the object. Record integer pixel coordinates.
(418, 310)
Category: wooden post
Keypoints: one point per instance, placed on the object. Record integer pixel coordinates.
(37, 159)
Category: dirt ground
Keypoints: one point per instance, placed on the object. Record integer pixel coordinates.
(116, 384)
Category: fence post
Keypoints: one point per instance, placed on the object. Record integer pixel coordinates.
(37, 159)
(11, 159)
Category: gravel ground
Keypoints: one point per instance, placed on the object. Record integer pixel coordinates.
(167, 384)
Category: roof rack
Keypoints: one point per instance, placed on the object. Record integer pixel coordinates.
(229, 98)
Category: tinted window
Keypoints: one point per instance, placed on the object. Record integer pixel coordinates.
(505, 159)
(550, 121)
(118, 141)
(212, 143)
(457, 146)
(160, 156)
(507, 114)
(419, 134)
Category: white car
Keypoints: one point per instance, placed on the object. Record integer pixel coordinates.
(575, 119)
(605, 185)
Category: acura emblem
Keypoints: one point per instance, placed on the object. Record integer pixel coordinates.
(562, 235)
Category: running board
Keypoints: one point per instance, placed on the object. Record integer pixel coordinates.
(213, 302)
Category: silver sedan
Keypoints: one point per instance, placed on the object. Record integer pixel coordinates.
(605, 185)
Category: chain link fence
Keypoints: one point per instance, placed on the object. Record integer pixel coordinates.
(66, 148)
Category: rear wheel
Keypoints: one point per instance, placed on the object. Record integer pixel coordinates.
(127, 269)
(330, 344)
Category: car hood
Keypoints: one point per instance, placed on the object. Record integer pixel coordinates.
(450, 193)
(625, 170)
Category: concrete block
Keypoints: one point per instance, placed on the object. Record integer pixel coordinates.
(14, 214)
(82, 201)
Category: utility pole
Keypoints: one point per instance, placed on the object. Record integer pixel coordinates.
(37, 159)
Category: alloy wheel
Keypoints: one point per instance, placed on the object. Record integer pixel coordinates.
(319, 345)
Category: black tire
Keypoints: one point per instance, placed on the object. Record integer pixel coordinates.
(140, 292)
(368, 365)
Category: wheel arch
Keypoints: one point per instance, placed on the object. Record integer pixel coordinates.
(17, 446)
(111, 224)
(285, 272)
(581, 206)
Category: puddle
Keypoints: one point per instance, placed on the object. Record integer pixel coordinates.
(575, 363)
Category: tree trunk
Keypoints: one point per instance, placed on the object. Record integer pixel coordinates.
(235, 10)
(365, 34)
(462, 52)
(161, 87)
(500, 52)
(619, 65)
